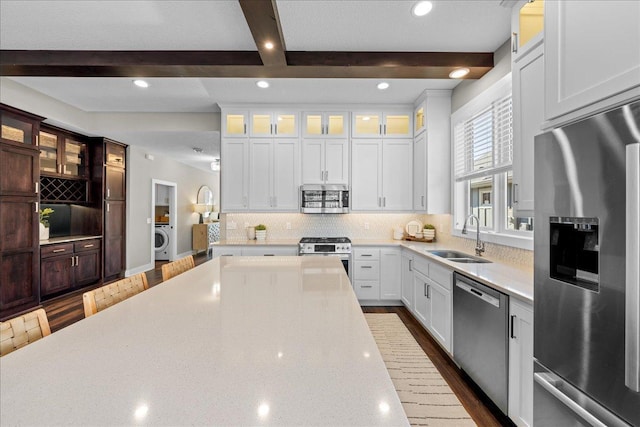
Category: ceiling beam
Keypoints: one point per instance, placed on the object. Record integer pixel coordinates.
(264, 23)
(400, 65)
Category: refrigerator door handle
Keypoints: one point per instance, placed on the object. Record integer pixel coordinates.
(552, 384)
(632, 303)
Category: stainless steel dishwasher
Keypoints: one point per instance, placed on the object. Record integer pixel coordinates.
(480, 337)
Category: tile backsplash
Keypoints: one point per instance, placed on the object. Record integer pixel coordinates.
(375, 226)
(295, 226)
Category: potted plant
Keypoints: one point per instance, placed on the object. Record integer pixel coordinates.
(261, 232)
(44, 223)
(429, 232)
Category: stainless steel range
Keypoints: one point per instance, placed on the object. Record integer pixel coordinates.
(327, 246)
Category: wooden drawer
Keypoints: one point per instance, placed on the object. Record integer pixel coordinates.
(441, 275)
(366, 270)
(56, 250)
(87, 245)
(365, 254)
(367, 289)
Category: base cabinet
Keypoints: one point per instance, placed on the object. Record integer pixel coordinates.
(267, 250)
(376, 274)
(433, 301)
(521, 363)
(406, 280)
(69, 265)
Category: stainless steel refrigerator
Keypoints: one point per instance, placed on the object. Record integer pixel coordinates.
(587, 280)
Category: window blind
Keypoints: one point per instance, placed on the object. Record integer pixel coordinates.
(484, 142)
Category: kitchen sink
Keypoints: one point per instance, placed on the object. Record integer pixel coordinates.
(460, 257)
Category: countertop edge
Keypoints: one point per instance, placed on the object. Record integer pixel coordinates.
(67, 239)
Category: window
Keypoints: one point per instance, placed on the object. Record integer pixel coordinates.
(483, 155)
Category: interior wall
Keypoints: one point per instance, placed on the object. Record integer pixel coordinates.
(140, 173)
(469, 89)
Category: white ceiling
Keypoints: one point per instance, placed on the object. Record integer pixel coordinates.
(307, 25)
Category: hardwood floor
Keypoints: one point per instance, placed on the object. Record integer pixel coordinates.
(66, 310)
(481, 409)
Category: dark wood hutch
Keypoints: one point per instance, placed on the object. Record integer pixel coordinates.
(46, 165)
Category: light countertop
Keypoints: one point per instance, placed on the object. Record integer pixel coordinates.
(512, 280)
(234, 341)
(67, 239)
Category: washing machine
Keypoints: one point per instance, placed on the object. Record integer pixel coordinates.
(162, 242)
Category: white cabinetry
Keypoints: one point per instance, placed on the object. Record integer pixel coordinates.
(521, 363)
(432, 155)
(592, 57)
(376, 274)
(527, 25)
(325, 125)
(265, 123)
(407, 279)
(382, 124)
(234, 123)
(325, 161)
(390, 266)
(266, 250)
(381, 177)
(433, 301)
(234, 175)
(273, 175)
(528, 116)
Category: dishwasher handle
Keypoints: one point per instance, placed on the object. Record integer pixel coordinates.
(478, 293)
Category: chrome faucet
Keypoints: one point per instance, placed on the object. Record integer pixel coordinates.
(479, 243)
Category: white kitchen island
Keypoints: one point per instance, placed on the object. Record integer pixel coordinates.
(234, 341)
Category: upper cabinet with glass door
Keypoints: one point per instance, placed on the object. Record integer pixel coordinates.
(527, 24)
(325, 125)
(273, 124)
(382, 125)
(62, 154)
(235, 123)
(18, 128)
(419, 119)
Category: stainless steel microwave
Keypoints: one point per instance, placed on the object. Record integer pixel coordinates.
(324, 199)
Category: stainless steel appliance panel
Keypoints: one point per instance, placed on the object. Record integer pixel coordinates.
(579, 334)
(559, 404)
(324, 199)
(480, 340)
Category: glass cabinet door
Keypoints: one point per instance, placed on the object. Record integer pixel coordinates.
(367, 124)
(336, 124)
(16, 130)
(313, 125)
(235, 124)
(48, 152)
(285, 125)
(74, 158)
(397, 125)
(418, 119)
(261, 124)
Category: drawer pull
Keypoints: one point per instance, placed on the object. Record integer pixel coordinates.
(89, 246)
(366, 255)
(366, 286)
(55, 251)
(366, 266)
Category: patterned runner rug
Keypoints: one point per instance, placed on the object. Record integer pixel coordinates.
(426, 397)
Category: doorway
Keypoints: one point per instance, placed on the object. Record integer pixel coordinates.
(164, 220)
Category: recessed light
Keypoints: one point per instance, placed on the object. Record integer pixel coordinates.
(383, 85)
(262, 84)
(140, 83)
(268, 45)
(459, 73)
(421, 8)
